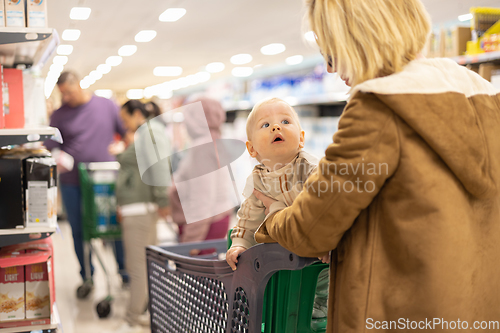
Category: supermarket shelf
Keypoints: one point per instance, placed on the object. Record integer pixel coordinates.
(478, 58)
(22, 235)
(39, 328)
(29, 46)
(17, 136)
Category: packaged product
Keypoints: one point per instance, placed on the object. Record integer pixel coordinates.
(11, 290)
(37, 289)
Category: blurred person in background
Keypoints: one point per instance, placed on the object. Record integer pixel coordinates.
(88, 125)
(208, 193)
(139, 206)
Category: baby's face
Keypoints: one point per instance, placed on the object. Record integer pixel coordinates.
(276, 136)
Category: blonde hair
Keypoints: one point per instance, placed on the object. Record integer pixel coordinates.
(251, 117)
(369, 38)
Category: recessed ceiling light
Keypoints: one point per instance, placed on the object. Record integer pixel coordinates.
(167, 71)
(202, 76)
(127, 50)
(272, 49)
(114, 60)
(241, 59)
(172, 14)
(95, 75)
(465, 17)
(145, 36)
(135, 93)
(215, 67)
(106, 93)
(56, 69)
(79, 13)
(310, 36)
(64, 49)
(294, 60)
(60, 60)
(103, 68)
(84, 84)
(257, 66)
(71, 34)
(242, 71)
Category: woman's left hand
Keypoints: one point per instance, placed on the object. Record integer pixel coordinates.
(267, 201)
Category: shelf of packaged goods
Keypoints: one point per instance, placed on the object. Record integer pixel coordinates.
(28, 46)
(478, 58)
(34, 325)
(22, 235)
(18, 136)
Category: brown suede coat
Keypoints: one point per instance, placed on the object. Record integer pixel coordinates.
(408, 195)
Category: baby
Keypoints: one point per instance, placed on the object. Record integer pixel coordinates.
(275, 139)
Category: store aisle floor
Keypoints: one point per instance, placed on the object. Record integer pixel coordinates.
(79, 316)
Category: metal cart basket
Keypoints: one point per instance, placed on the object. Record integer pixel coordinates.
(272, 290)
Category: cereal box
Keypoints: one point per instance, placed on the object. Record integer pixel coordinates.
(37, 290)
(11, 291)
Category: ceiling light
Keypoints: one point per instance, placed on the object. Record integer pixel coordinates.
(71, 34)
(60, 60)
(203, 76)
(135, 93)
(106, 93)
(95, 75)
(192, 79)
(56, 69)
(241, 59)
(127, 50)
(465, 17)
(64, 49)
(272, 49)
(79, 13)
(167, 71)
(103, 69)
(172, 14)
(242, 71)
(215, 67)
(294, 60)
(145, 36)
(257, 66)
(165, 94)
(310, 36)
(114, 60)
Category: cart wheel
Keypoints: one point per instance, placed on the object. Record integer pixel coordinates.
(84, 290)
(103, 308)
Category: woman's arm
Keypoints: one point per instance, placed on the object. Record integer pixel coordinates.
(365, 153)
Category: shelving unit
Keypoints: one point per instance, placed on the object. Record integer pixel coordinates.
(18, 136)
(478, 58)
(28, 46)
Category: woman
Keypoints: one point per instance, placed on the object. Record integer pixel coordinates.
(139, 206)
(407, 193)
(202, 207)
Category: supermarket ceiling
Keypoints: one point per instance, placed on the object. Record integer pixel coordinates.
(210, 31)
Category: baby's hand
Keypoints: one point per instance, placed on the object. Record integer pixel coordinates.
(232, 256)
(325, 258)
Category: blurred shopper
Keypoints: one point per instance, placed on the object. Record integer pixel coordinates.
(88, 124)
(408, 192)
(207, 193)
(139, 206)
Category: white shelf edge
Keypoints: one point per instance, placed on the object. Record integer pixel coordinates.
(26, 30)
(28, 230)
(477, 58)
(44, 130)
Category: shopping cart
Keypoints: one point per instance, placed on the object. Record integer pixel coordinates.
(97, 182)
(272, 290)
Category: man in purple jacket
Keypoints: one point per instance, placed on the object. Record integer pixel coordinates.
(87, 124)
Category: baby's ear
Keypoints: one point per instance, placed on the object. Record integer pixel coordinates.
(251, 150)
(302, 139)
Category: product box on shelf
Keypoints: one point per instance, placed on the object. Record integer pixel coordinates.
(456, 41)
(14, 13)
(13, 186)
(2, 14)
(39, 288)
(12, 301)
(13, 91)
(485, 70)
(36, 13)
(41, 192)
